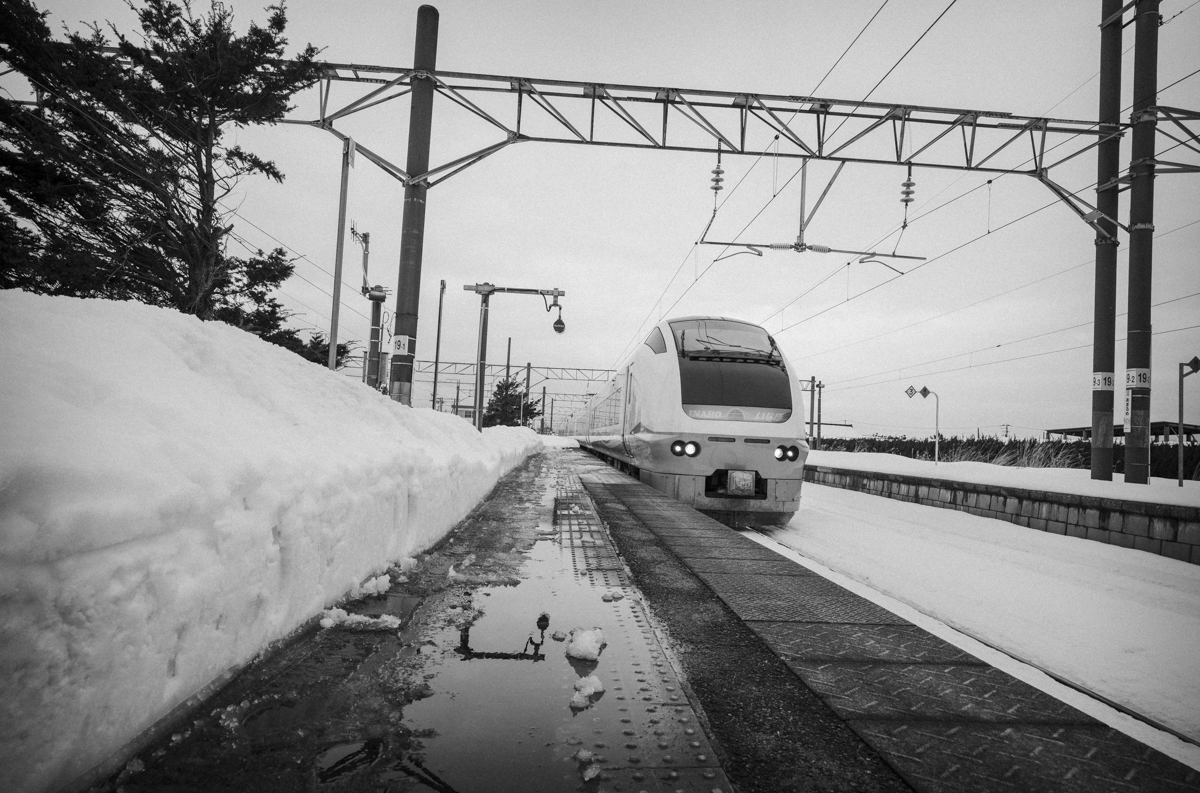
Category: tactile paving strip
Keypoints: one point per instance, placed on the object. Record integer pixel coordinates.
(661, 745)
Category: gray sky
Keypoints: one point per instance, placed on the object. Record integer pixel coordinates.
(616, 228)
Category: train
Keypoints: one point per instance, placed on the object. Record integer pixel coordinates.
(708, 411)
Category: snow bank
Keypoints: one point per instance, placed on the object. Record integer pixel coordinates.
(1056, 480)
(175, 495)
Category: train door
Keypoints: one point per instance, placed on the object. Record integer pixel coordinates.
(627, 410)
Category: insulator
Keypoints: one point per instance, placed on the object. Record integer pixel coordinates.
(819, 248)
(906, 200)
(717, 180)
(717, 187)
(781, 246)
(908, 183)
(718, 170)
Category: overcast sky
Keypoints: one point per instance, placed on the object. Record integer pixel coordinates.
(987, 326)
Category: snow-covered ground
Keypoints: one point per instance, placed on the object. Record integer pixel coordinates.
(1120, 622)
(175, 495)
(1057, 480)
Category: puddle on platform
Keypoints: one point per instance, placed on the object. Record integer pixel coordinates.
(502, 717)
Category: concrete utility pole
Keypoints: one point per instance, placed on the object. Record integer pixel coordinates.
(508, 359)
(1141, 241)
(820, 392)
(412, 232)
(437, 347)
(525, 396)
(1108, 191)
(812, 408)
(543, 430)
(337, 259)
(1194, 366)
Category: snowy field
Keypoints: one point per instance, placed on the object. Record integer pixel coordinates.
(1058, 480)
(1120, 622)
(175, 495)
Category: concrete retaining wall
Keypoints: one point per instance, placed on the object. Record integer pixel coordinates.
(1163, 529)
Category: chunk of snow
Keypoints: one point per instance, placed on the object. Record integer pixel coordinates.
(376, 586)
(589, 685)
(585, 644)
(385, 622)
(558, 636)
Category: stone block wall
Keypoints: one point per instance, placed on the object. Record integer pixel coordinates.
(1163, 529)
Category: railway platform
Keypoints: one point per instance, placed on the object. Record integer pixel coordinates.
(724, 667)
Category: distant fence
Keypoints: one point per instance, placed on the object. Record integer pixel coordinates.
(1030, 453)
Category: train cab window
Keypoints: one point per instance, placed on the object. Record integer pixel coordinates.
(656, 342)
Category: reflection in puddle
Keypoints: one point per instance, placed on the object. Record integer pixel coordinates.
(503, 726)
(346, 759)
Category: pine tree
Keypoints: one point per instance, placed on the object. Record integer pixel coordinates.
(504, 406)
(112, 185)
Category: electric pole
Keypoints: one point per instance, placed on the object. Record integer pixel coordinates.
(412, 230)
(1141, 241)
(437, 346)
(337, 259)
(1108, 191)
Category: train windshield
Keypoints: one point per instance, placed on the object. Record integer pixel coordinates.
(731, 371)
(724, 338)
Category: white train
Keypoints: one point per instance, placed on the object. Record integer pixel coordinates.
(708, 411)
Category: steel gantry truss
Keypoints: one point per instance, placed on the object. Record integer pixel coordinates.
(793, 127)
(880, 134)
(452, 369)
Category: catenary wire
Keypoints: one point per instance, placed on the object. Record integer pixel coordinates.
(1009, 360)
(996, 346)
(1026, 285)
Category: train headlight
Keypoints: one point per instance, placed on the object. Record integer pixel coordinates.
(780, 451)
(793, 453)
(691, 448)
(677, 448)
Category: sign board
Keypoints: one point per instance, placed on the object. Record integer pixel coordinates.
(1137, 378)
(911, 392)
(740, 483)
(404, 345)
(1103, 381)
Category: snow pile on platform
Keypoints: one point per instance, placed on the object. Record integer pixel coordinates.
(1119, 622)
(585, 645)
(1053, 480)
(176, 494)
(385, 622)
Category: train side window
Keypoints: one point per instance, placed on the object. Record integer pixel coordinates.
(656, 342)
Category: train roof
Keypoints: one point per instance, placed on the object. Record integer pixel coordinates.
(709, 316)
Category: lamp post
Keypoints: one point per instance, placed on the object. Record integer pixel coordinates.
(485, 292)
(1194, 366)
(925, 392)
